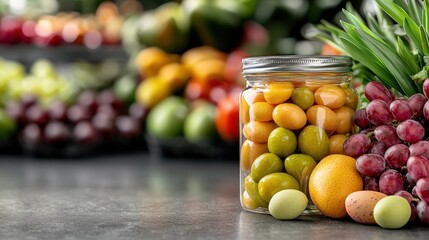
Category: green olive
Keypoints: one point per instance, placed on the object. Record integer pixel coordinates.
(314, 141)
(252, 189)
(303, 97)
(275, 182)
(265, 164)
(282, 142)
(300, 166)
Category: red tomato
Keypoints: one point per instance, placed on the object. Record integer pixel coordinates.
(212, 91)
(227, 118)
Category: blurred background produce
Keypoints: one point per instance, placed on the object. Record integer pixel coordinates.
(79, 76)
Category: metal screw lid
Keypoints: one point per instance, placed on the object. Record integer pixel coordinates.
(293, 63)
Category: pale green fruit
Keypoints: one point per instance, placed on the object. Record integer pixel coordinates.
(287, 204)
(392, 212)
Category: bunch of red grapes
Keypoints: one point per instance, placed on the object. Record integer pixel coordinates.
(392, 148)
(95, 119)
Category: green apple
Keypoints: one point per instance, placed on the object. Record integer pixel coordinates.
(166, 120)
(200, 124)
(125, 88)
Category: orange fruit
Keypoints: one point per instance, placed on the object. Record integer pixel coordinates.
(331, 181)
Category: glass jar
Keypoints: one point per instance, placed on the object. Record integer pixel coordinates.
(294, 111)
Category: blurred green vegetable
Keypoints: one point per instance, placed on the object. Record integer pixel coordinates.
(219, 23)
(166, 27)
(7, 126)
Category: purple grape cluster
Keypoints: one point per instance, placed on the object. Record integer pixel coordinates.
(95, 118)
(392, 148)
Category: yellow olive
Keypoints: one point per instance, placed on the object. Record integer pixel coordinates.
(249, 152)
(258, 132)
(248, 202)
(322, 116)
(249, 97)
(278, 92)
(336, 143)
(252, 189)
(344, 120)
(275, 182)
(289, 115)
(331, 96)
(261, 111)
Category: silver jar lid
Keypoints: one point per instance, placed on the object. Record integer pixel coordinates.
(292, 63)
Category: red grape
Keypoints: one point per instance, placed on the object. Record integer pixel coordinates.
(420, 148)
(28, 100)
(32, 134)
(418, 167)
(368, 130)
(138, 111)
(375, 90)
(35, 114)
(405, 194)
(390, 182)
(426, 110)
(409, 179)
(104, 124)
(410, 131)
(108, 97)
(77, 114)
(422, 189)
(377, 148)
(17, 111)
(426, 88)
(378, 112)
(356, 145)
(56, 132)
(400, 110)
(85, 133)
(58, 111)
(371, 165)
(397, 155)
(88, 100)
(128, 127)
(107, 110)
(416, 102)
(360, 119)
(423, 212)
(387, 135)
(371, 183)
(413, 216)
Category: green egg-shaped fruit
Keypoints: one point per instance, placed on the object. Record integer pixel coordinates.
(265, 164)
(314, 141)
(392, 212)
(282, 142)
(252, 189)
(287, 204)
(303, 97)
(300, 166)
(275, 182)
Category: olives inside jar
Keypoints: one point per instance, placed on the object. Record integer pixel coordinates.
(294, 111)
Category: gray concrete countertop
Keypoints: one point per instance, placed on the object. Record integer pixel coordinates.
(145, 197)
